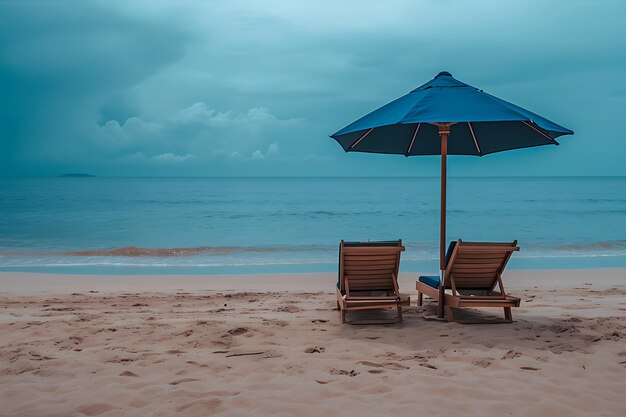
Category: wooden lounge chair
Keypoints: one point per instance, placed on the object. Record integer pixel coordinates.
(473, 270)
(368, 279)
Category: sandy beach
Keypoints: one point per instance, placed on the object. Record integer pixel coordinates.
(273, 345)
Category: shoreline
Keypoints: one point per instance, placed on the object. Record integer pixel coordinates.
(30, 282)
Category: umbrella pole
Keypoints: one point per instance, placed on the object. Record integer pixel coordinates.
(444, 131)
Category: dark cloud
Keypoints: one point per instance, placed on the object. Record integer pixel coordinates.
(61, 66)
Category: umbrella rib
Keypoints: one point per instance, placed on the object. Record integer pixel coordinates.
(539, 131)
(361, 138)
(408, 151)
(474, 137)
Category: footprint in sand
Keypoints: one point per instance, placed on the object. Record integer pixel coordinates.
(237, 331)
(483, 363)
(128, 373)
(184, 380)
(511, 354)
(315, 349)
(95, 409)
(387, 365)
(335, 371)
(289, 309)
(200, 407)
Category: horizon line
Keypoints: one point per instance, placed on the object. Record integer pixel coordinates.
(310, 176)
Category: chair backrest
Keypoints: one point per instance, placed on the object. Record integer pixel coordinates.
(370, 266)
(477, 265)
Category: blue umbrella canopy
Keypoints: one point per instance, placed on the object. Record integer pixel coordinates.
(479, 123)
(447, 117)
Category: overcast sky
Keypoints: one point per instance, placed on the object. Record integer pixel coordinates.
(247, 88)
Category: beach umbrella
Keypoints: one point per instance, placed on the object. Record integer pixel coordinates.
(447, 117)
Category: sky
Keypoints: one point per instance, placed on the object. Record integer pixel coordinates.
(251, 88)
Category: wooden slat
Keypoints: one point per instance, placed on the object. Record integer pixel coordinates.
(483, 285)
(375, 269)
(373, 300)
(361, 274)
(370, 262)
(372, 287)
(480, 255)
(460, 283)
(476, 265)
(369, 275)
(354, 279)
(485, 303)
(371, 297)
(368, 258)
(474, 274)
(482, 297)
(369, 288)
(487, 248)
(475, 271)
(358, 286)
(486, 261)
(378, 250)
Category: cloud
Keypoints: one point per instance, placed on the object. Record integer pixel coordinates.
(134, 132)
(199, 130)
(164, 158)
(272, 152)
(200, 113)
(171, 158)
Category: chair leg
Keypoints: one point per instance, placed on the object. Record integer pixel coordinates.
(449, 314)
(441, 302)
(419, 299)
(399, 314)
(343, 315)
(507, 314)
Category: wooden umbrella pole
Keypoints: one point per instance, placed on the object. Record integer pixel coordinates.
(444, 131)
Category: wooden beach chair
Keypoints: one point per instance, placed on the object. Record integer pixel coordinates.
(368, 279)
(473, 271)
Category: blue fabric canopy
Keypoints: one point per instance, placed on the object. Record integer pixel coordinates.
(481, 123)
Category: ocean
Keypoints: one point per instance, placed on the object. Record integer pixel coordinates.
(267, 225)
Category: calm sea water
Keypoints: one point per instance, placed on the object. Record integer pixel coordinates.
(217, 225)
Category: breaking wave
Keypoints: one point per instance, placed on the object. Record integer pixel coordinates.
(138, 251)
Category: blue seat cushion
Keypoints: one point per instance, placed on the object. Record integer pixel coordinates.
(430, 280)
(451, 247)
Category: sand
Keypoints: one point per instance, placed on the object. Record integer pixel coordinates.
(272, 345)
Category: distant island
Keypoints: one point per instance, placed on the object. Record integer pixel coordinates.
(72, 175)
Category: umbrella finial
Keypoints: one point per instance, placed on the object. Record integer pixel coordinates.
(443, 73)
